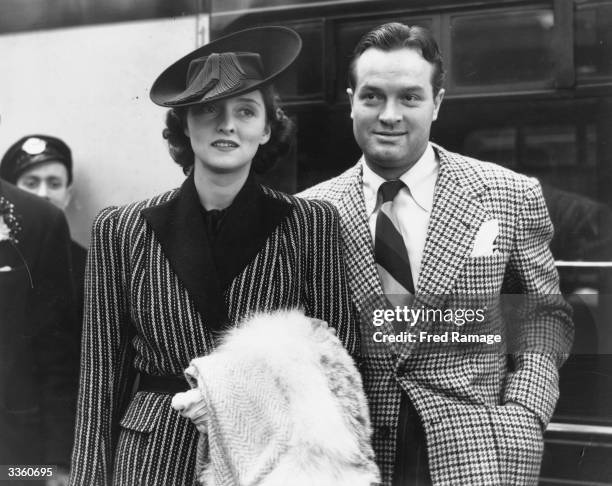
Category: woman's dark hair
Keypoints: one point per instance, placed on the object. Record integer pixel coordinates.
(281, 135)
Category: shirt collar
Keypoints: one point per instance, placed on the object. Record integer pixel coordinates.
(420, 180)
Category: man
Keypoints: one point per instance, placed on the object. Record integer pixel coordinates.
(38, 349)
(42, 165)
(420, 221)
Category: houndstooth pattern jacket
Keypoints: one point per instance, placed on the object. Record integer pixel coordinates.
(150, 270)
(483, 414)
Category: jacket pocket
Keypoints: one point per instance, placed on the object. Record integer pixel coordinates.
(461, 445)
(134, 455)
(519, 444)
(143, 412)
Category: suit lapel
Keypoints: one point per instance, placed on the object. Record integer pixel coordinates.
(456, 216)
(179, 226)
(251, 219)
(361, 269)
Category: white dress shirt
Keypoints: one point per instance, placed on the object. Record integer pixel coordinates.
(411, 207)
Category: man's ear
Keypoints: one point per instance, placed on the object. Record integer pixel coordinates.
(437, 103)
(350, 94)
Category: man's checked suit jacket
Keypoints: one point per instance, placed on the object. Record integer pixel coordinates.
(472, 436)
(152, 270)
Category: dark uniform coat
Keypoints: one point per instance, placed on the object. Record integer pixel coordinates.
(473, 436)
(151, 268)
(38, 348)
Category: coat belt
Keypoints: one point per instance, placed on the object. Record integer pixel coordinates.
(168, 385)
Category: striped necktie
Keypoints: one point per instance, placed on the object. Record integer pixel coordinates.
(390, 251)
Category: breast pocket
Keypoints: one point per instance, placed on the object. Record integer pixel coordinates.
(482, 275)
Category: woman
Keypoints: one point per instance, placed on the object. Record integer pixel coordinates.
(167, 275)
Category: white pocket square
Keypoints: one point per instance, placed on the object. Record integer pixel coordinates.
(484, 243)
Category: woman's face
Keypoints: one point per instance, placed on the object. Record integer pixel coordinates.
(226, 134)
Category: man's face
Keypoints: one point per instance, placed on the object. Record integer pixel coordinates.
(392, 108)
(48, 180)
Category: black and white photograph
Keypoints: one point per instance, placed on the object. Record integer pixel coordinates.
(306, 242)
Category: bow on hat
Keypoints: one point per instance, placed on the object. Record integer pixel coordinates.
(217, 74)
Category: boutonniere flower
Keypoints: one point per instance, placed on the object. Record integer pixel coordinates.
(10, 225)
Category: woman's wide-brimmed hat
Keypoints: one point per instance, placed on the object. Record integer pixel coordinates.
(226, 67)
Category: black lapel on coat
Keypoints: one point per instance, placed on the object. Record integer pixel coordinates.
(179, 227)
(249, 222)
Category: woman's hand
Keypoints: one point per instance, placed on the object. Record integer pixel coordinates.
(319, 324)
(191, 405)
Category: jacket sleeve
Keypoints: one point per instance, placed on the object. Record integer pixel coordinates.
(326, 293)
(541, 329)
(56, 339)
(104, 356)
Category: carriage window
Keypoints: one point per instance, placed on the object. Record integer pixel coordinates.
(347, 37)
(304, 80)
(550, 146)
(496, 144)
(593, 41)
(586, 379)
(232, 5)
(502, 48)
(562, 156)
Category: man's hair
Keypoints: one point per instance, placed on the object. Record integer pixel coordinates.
(279, 145)
(392, 36)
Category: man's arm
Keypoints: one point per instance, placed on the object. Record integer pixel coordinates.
(541, 330)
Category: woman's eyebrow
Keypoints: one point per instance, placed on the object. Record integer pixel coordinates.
(249, 100)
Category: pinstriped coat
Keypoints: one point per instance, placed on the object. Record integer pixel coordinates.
(472, 438)
(151, 269)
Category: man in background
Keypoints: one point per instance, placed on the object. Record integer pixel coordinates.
(38, 346)
(420, 222)
(42, 165)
